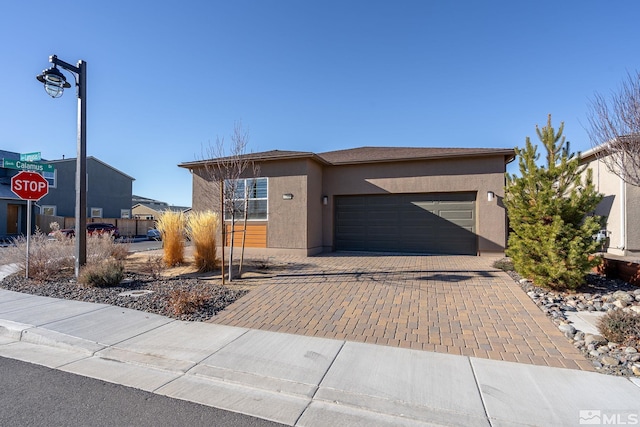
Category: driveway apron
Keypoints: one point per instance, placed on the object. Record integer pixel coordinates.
(447, 304)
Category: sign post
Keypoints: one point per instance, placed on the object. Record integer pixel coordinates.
(29, 186)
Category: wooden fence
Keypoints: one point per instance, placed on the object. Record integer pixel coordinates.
(126, 227)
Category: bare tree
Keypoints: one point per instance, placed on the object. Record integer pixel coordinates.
(615, 129)
(226, 168)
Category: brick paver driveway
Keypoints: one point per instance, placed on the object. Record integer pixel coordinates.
(449, 304)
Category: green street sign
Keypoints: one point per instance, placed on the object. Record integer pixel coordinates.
(31, 157)
(26, 166)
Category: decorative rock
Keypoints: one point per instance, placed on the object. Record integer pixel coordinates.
(623, 296)
(594, 339)
(610, 361)
(566, 328)
(620, 303)
(635, 309)
(603, 349)
(636, 370)
(579, 336)
(630, 350)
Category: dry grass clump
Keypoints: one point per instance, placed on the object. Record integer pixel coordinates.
(102, 275)
(102, 246)
(187, 302)
(620, 326)
(171, 226)
(202, 229)
(46, 256)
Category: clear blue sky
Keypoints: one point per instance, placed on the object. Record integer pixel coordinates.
(166, 78)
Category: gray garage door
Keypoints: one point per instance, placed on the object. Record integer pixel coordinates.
(419, 223)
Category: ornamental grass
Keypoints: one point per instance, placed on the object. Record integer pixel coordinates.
(172, 228)
(202, 228)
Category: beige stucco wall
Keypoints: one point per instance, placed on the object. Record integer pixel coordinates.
(304, 224)
(478, 175)
(620, 206)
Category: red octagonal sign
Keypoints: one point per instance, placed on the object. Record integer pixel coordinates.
(29, 185)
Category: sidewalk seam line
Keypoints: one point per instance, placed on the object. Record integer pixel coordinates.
(475, 379)
(320, 382)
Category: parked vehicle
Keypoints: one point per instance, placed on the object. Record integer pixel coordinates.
(97, 228)
(154, 234)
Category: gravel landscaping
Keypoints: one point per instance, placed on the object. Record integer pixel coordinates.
(137, 291)
(598, 295)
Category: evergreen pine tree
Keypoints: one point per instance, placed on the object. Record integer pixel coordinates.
(549, 209)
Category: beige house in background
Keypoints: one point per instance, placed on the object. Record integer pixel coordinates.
(380, 199)
(144, 208)
(620, 206)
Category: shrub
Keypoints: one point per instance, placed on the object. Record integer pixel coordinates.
(504, 264)
(47, 257)
(103, 246)
(153, 266)
(103, 275)
(187, 302)
(549, 208)
(202, 229)
(171, 226)
(620, 326)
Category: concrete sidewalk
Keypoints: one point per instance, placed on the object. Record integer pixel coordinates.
(301, 380)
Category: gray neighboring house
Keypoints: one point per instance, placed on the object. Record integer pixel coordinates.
(108, 194)
(109, 190)
(13, 210)
(620, 206)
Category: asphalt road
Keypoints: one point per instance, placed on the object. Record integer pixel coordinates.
(33, 395)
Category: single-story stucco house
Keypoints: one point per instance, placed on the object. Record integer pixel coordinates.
(384, 199)
(620, 206)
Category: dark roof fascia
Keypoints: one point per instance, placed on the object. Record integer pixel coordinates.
(509, 155)
(260, 157)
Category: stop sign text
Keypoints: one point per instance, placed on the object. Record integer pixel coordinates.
(29, 185)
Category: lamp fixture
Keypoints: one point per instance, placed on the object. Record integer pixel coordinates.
(54, 81)
(325, 200)
(490, 196)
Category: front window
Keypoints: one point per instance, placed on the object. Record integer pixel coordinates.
(250, 194)
(49, 210)
(96, 212)
(51, 178)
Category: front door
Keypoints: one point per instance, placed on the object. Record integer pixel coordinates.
(12, 219)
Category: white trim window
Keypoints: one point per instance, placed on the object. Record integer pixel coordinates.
(251, 191)
(50, 177)
(96, 212)
(50, 210)
(125, 213)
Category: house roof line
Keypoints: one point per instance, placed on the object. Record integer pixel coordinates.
(92, 158)
(364, 155)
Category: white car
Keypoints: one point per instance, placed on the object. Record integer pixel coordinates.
(154, 234)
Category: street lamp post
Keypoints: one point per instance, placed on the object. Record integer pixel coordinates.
(54, 84)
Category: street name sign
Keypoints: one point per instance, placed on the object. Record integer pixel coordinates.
(27, 166)
(31, 157)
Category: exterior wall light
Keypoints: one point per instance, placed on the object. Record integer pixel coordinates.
(325, 200)
(287, 196)
(490, 196)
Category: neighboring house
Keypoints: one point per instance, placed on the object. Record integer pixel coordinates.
(144, 208)
(108, 194)
(620, 206)
(384, 199)
(13, 210)
(109, 190)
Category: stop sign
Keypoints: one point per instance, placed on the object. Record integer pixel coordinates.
(29, 185)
